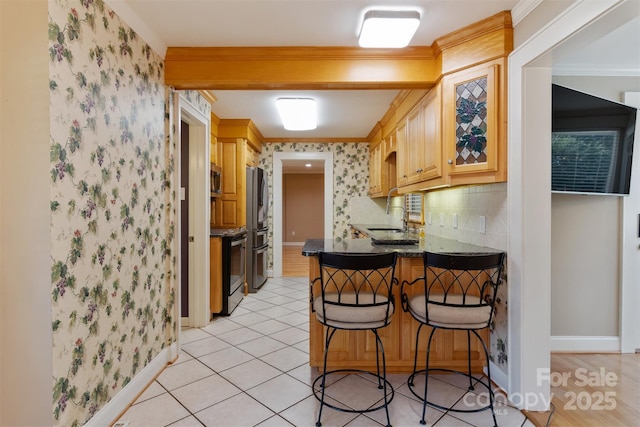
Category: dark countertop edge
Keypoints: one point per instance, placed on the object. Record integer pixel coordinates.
(432, 244)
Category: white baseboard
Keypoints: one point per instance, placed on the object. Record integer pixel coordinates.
(585, 344)
(292, 243)
(119, 403)
(498, 377)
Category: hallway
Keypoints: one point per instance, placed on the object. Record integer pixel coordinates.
(252, 369)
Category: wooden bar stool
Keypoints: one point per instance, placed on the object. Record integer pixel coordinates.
(456, 292)
(356, 294)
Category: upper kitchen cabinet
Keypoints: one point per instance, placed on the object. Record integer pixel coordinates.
(419, 143)
(238, 146)
(474, 123)
(375, 170)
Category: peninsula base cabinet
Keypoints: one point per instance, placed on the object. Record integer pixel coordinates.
(357, 349)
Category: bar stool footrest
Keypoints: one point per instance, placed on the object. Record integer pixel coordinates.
(317, 391)
(478, 381)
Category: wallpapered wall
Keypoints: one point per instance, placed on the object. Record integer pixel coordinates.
(350, 179)
(112, 220)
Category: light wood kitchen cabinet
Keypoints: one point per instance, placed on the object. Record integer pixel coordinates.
(356, 349)
(215, 274)
(474, 123)
(375, 171)
(420, 153)
(231, 205)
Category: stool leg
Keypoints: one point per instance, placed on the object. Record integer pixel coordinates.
(426, 377)
(384, 373)
(491, 397)
(469, 358)
(415, 355)
(330, 332)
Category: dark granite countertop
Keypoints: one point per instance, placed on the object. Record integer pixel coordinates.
(431, 243)
(224, 232)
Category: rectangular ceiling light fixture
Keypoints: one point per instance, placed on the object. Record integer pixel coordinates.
(388, 28)
(297, 113)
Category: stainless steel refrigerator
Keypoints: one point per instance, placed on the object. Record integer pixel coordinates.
(257, 228)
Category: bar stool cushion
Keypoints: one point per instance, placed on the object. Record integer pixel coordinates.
(344, 316)
(457, 314)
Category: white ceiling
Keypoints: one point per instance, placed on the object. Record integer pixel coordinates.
(347, 114)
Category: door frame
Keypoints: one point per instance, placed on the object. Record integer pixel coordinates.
(199, 212)
(278, 158)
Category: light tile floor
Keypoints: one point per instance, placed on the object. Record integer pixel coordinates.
(252, 369)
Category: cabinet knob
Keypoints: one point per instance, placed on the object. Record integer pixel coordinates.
(450, 161)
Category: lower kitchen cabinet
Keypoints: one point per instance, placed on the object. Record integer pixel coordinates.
(215, 272)
(357, 349)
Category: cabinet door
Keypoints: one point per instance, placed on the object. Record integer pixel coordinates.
(414, 143)
(431, 159)
(375, 171)
(403, 153)
(471, 120)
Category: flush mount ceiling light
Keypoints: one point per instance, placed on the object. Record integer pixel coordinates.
(297, 113)
(388, 28)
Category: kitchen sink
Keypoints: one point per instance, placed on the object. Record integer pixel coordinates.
(387, 229)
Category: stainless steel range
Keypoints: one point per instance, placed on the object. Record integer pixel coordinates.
(234, 242)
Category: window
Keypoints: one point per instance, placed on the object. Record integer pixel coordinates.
(583, 161)
(413, 205)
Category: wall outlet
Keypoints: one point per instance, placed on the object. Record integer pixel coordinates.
(293, 233)
(482, 224)
(429, 218)
(454, 220)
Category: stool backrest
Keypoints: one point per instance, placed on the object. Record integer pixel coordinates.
(358, 280)
(462, 280)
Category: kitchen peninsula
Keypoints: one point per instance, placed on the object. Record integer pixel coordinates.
(357, 349)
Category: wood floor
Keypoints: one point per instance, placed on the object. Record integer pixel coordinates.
(593, 390)
(293, 263)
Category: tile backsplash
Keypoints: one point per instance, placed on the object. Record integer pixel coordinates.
(469, 203)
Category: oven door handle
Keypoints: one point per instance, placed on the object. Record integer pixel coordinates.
(238, 242)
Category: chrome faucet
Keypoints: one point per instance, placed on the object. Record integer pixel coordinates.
(389, 199)
(404, 211)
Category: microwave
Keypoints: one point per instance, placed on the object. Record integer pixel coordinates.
(216, 181)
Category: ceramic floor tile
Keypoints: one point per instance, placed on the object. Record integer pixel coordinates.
(250, 374)
(240, 410)
(261, 346)
(294, 319)
(275, 312)
(225, 359)
(304, 373)
(291, 335)
(205, 346)
(305, 413)
(280, 392)
(250, 318)
(275, 421)
(201, 394)
(286, 359)
(178, 375)
(269, 327)
(368, 393)
(220, 325)
(192, 334)
(237, 377)
(189, 421)
(158, 411)
(240, 336)
(154, 389)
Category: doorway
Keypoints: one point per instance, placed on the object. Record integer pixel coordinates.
(194, 260)
(279, 158)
